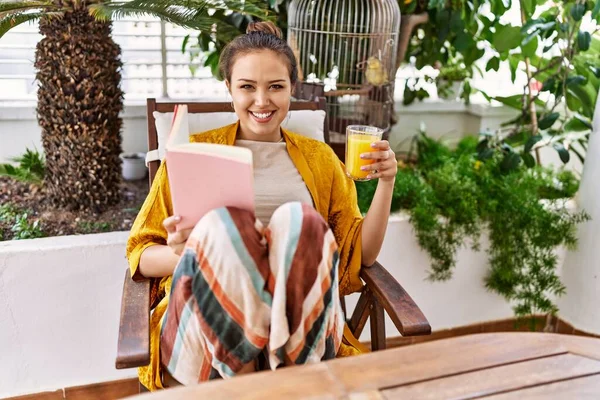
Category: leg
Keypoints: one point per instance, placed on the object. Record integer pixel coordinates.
(217, 321)
(307, 321)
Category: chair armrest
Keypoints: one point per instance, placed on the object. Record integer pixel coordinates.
(401, 308)
(133, 347)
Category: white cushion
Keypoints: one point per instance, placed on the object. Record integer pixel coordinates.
(304, 122)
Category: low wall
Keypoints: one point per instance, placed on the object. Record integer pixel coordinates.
(60, 302)
(59, 311)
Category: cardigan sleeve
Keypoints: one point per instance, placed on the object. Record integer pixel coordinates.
(147, 229)
(345, 219)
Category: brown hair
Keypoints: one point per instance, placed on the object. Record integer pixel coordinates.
(259, 36)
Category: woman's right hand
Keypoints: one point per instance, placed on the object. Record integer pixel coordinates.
(176, 240)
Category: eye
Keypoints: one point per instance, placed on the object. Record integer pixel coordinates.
(246, 87)
(276, 86)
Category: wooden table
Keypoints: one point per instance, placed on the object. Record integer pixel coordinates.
(491, 366)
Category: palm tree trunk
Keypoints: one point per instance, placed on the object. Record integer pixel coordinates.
(79, 101)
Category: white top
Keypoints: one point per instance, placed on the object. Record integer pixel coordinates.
(276, 179)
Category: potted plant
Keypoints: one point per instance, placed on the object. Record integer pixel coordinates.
(134, 166)
(450, 81)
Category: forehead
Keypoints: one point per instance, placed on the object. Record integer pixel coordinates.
(260, 65)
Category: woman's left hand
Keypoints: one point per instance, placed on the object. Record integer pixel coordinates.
(385, 166)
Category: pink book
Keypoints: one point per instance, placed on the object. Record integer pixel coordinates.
(205, 176)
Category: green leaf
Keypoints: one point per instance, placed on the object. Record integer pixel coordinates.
(493, 63)
(596, 10)
(513, 101)
(463, 42)
(548, 121)
(573, 102)
(529, 160)
(485, 154)
(575, 80)
(583, 40)
(7, 22)
(549, 85)
(513, 63)
(586, 98)
(507, 37)
(26, 5)
(529, 49)
(577, 124)
(562, 152)
(186, 39)
(531, 142)
(510, 162)
(577, 11)
(529, 7)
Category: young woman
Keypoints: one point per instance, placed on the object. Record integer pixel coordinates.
(242, 291)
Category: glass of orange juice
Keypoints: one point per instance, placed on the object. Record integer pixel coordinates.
(358, 141)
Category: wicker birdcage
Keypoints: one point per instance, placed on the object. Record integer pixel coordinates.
(346, 51)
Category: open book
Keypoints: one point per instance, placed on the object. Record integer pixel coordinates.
(205, 176)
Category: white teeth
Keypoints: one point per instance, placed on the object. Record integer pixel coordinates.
(261, 115)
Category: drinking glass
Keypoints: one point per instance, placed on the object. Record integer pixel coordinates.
(358, 141)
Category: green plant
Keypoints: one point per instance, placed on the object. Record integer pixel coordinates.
(93, 226)
(206, 46)
(558, 56)
(24, 229)
(453, 195)
(19, 223)
(31, 167)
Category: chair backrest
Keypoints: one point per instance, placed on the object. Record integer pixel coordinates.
(160, 114)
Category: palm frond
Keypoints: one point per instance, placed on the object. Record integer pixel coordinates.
(194, 14)
(11, 20)
(143, 8)
(21, 6)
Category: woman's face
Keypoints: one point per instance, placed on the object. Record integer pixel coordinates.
(261, 91)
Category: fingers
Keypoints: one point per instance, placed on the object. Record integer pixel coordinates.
(381, 145)
(375, 155)
(374, 166)
(170, 223)
(178, 238)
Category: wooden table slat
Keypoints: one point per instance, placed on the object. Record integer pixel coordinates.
(498, 379)
(314, 382)
(425, 361)
(587, 388)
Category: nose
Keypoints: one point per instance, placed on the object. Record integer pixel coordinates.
(262, 98)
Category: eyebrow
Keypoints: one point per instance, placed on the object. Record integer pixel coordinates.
(251, 81)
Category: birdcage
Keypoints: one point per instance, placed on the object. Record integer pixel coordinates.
(346, 51)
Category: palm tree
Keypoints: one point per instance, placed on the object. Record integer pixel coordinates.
(79, 96)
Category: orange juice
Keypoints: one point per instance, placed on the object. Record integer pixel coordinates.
(356, 144)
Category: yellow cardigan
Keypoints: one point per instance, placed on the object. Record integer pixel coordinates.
(333, 194)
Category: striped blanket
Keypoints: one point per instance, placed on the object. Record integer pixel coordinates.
(244, 293)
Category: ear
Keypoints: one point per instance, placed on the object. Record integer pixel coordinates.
(228, 86)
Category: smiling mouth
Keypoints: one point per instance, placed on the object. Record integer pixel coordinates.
(262, 115)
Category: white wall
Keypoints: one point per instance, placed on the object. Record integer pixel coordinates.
(582, 267)
(59, 311)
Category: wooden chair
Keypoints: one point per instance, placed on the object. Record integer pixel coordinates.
(381, 292)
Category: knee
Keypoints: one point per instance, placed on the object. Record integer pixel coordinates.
(299, 213)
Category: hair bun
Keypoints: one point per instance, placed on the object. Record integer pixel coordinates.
(266, 27)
